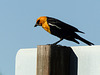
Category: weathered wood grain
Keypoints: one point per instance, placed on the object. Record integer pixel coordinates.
(56, 60)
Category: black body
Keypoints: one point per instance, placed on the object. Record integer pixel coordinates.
(65, 31)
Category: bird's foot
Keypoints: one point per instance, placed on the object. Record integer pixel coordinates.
(52, 44)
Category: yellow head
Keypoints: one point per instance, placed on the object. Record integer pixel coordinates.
(40, 21)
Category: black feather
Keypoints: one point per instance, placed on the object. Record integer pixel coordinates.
(65, 31)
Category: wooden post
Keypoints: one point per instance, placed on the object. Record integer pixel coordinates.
(56, 60)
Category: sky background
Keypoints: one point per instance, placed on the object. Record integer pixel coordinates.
(18, 17)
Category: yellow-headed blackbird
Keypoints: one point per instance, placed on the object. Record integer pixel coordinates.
(60, 29)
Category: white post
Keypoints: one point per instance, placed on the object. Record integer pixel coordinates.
(26, 62)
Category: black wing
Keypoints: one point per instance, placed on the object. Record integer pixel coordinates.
(61, 25)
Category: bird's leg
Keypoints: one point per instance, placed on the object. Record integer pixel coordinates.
(57, 41)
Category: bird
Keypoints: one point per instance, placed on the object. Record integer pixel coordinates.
(60, 29)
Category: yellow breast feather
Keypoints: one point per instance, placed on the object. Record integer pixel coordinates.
(46, 27)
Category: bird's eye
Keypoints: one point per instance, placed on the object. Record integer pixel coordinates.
(38, 21)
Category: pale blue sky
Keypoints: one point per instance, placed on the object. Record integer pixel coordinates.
(17, 19)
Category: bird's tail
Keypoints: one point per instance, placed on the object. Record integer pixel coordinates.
(85, 41)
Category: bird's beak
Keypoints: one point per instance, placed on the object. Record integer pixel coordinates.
(36, 25)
